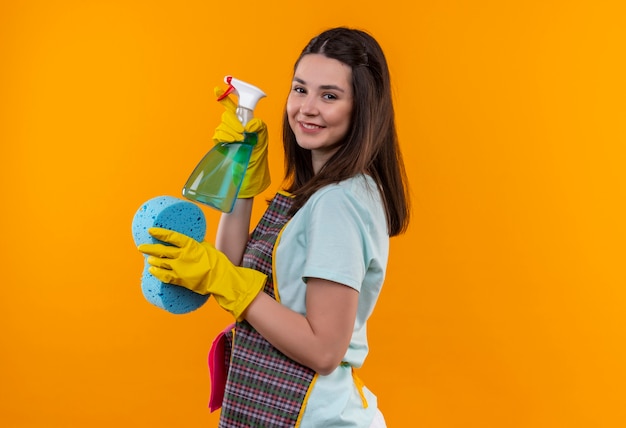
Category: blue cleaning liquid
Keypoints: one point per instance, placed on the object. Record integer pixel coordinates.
(216, 180)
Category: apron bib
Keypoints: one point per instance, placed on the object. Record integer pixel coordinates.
(263, 387)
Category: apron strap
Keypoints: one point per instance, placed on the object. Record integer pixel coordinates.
(359, 386)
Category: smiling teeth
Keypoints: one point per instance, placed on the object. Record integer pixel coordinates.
(309, 126)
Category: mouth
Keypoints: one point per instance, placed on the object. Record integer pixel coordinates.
(310, 126)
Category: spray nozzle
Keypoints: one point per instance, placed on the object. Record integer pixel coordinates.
(247, 94)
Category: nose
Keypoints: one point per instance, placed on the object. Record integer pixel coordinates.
(308, 106)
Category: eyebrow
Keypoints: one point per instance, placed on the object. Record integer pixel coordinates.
(326, 87)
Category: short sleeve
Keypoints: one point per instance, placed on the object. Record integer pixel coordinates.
(335, 244)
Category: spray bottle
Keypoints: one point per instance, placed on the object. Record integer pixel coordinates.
(217, 178)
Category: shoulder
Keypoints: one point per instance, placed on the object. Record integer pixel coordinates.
(355, 200)
(360, 189)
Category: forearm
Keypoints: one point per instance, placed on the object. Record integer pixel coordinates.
(318, 340)
(233, 230)
(289, 332)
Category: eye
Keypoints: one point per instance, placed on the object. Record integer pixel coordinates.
(299, 90)
(329, 96)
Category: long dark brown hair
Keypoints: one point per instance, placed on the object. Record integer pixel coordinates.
(371, 144)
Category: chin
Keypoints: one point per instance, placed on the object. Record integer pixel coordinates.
(307, 144)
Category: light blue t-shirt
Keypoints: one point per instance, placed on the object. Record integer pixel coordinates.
(340, 235)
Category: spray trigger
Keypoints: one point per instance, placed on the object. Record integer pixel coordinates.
(228, 91)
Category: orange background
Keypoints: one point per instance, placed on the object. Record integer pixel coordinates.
(505, 301)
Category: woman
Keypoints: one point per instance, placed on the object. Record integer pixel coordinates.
(319, 253)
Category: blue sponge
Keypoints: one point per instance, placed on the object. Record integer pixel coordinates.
(173, 214)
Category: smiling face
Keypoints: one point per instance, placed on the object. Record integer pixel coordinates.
(319, 105)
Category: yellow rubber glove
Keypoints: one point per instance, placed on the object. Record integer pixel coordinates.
(230, 130)
(202, 268)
